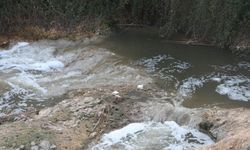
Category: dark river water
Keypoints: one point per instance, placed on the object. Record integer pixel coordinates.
(196, 76)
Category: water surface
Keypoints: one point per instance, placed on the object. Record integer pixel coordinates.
(153, 136)
(195, 76)
(41, 74)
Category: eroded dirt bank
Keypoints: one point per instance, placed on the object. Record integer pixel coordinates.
(229, 127)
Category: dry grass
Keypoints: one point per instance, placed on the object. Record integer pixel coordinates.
(33, 33)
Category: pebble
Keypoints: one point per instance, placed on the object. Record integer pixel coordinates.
(32, 143)
(53, 147)
(22, 147)
(140, 86)
(92, 135)
(14, 145)
(118, 96)
(115, 93)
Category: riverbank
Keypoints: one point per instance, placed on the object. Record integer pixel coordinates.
(35, 33)
(230, 127)
(81, 120)
(240, 47)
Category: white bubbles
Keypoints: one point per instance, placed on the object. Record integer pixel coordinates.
(46, 66)
(228, 83)
(28, 57)
(244, 65)
(164, 64)
(153, 135)
(190, 85)
(234, 87)
(22, 67)
(37, 72)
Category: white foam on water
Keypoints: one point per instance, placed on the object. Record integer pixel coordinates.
(151, 63)
(46, 69)
(68, 75)
(27, 81)
(153, 135)
(235, 87)
(25, 57)
(180, 66)
(2, 115)
(47, 66)
(165, 67)
(117, 135)
(15, 98)
(17, 46)
(190, 85)
(17, 92)
(22, 66)
(171, 65)
(244, 65)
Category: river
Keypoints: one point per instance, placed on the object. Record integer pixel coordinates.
(197, 76)
(40, 74)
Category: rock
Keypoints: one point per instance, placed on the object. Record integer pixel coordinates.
(35, 147)
(53, 147)
(230, 127)
(140, 86)
(206, 126)
(44, 113)
(118, 96)
(14, 145)
(93, 134)
(22, 147)
(115, 93)
(44, 145)
(4, 44)
(118, 99)
(32, 143)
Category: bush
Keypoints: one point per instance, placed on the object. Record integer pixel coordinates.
(217, 21)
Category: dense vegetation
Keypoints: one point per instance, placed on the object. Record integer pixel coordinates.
(217, 21)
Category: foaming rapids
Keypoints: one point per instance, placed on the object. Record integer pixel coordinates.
(20, 66)
(152, 135)
(34, 73)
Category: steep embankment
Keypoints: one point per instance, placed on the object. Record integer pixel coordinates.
(230, 127)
